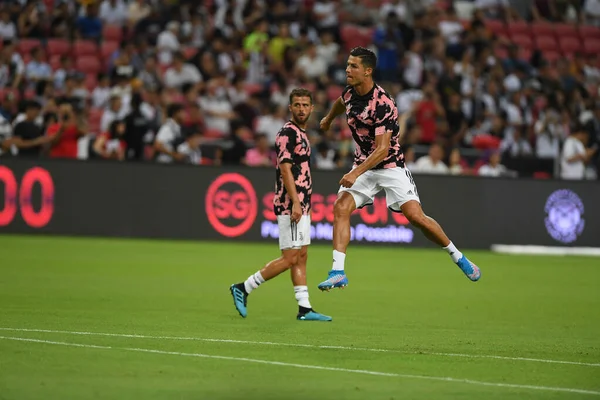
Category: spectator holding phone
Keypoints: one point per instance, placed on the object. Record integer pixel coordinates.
(66, 132)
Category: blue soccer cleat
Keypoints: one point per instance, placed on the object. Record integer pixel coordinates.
(240, 298)
(312, 315)
(470, 270)
(336, 279)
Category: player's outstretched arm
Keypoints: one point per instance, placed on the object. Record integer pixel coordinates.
(338, 108)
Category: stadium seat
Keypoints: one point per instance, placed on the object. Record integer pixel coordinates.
(589, 32)
(542, 29)
(24, 46)
(88, 64)
(546, 43)
(58, 47)
(501, 52)
(108, 48)
(518, 28)
(85, 48)
(496, 27)
(112, 33)
(55, 62)
(569, 45)
(253, 88)
(591, 46)
(95, 117)
(91, 81)
(333, 92)
(213, 133)
(565, 30)
(523, 41)
(551, 56)
(525, 54)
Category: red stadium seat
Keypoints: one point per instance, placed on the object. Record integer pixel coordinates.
(551, 56)
(542, 29)
(522, 41)
(24, 46)
(546, 43)
(495, 26)
(88, 64)
(591, 46)
(501, 52)
(85, 48)
(112, 33)
(213, 133)
(108, 48)
(589, 32)
(518, 28)
(58, 47)
(333, 92)
(566, 30)
(91, 81)
(569, 45)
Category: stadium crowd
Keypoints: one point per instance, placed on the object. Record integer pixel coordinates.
(491, 82)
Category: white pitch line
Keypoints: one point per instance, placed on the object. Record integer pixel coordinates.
(316, 367)
(310, 346)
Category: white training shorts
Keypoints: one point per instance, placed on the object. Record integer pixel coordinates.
(293, 235)
(397, 183)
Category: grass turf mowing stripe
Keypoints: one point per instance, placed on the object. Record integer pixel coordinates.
(133, 335)
(315, 367)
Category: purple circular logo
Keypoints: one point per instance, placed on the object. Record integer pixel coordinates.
(564, 220)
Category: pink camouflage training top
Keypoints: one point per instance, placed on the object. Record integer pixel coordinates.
(293, 147)
(372, 115)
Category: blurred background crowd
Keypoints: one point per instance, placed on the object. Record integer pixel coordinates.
(499, 87)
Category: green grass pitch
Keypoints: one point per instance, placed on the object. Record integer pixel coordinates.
(409, 326)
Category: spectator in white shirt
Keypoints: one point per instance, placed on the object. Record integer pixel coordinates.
(271, 123)
(8, 30)
(168, 43)
(413, 70)
(311, 65)
(575, 156)
(114, 12)
(169, 136)
(432, 163)
(493, 168)
(101, 93)
(396, 6)
(217, 108)
(112, 113)
(549, 132)
(181, 73)
(37, 69)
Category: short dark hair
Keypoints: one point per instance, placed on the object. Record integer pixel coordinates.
(301, 92)
(173, 109)
(367, 57)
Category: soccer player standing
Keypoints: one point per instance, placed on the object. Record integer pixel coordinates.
(291, 203)
(378, 165)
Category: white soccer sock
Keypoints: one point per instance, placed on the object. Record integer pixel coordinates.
(302, 296)
(338, 260)
(253, 282)
(455, 254)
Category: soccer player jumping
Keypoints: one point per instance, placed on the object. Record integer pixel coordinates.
(293, 189)
(378, 165)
